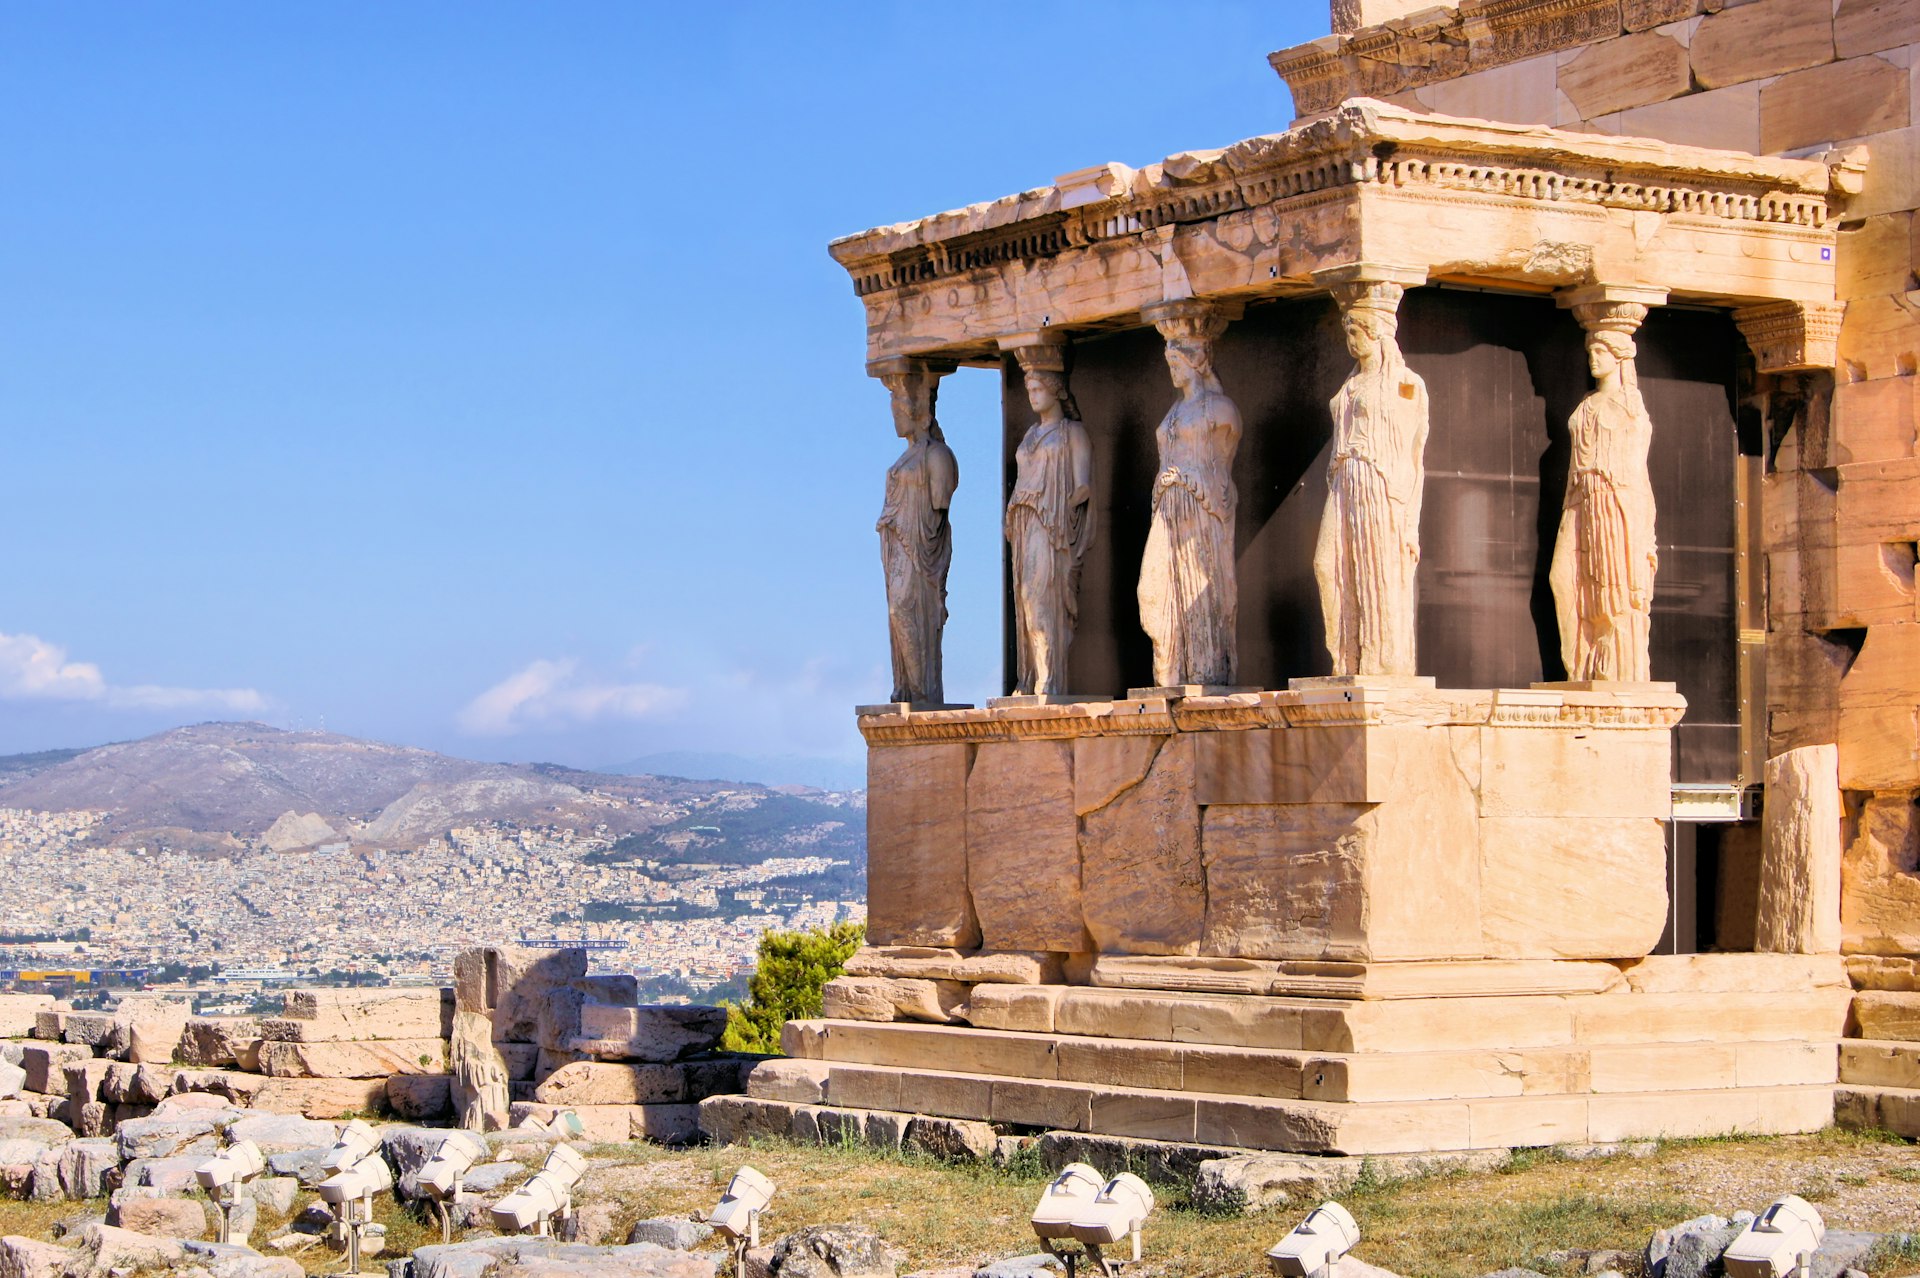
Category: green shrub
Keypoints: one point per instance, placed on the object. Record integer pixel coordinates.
(790, 971)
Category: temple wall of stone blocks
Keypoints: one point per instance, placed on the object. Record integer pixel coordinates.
(1840, 493)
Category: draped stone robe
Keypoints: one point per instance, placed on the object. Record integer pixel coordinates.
(1369, 544)
(1605, 555)
(1049, 535)
(916, 548)
(1189, 599)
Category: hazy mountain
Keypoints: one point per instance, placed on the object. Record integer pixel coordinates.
(230, 786)
(782, 770)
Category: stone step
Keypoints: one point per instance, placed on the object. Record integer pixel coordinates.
(1320, 1127)
(1337, 1077)
(1413, 1025)
(1892, 1109)
(1881, 1063)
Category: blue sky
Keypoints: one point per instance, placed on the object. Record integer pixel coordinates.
(475, 375)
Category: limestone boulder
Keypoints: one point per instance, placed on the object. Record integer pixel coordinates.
(213, 1041)
(13, 1080)
(545, 1258)
(606, 1083)
(87, 1029)
(46, 1065)
(833, 1251)
(42, 1131)
(277, 1133)
(84, 1167)
(675, 1233)
(164, 1137)
(28, 1258)
(161, 1217)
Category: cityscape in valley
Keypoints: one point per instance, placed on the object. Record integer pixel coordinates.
(385, 861)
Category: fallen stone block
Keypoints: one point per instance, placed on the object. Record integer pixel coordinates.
(604, 1083)
(165, 1137)
(26, 1258)
(276, 1194)
(13, 1080)
(675, 1233)
(15, 1150)
(115, 1084)
(233, 1086)
(51, 1024)
(44, 1131)
(160, 1217)
(169, 1177)
(87, 1029)
(232, 1260)
(322, 1097)
(545, 1258)
(85, 1165)
(217, 1040)
(46, 1065)
(1249, 1183)
(657, 1033)
(93, 1118)
(151, 1084)
(833, 1251)
(377, 1059)
(350, 1016)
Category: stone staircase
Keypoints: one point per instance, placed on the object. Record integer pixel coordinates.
(1341, 1076)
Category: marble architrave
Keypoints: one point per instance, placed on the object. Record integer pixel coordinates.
(916, 538)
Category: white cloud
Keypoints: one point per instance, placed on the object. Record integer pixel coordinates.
(554, 693)
(33, 669)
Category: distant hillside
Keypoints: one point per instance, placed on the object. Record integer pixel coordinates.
(231, 787)
(776, 770)
(15, 766)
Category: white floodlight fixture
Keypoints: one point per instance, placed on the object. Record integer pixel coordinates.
(547, 1195)
(223, 1174)
(355, 1142)
(441, 1179)
(1117, 1212)
(1075, 1186)
(351, 1193)
(1780, 1241)
(1316, 1244)
(738, 1215)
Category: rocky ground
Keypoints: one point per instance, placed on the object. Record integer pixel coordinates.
(850, 1212)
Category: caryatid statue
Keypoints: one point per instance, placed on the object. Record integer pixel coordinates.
(1605, 555)
(1369, 545)
(916, 539)
(1189, 602)
(1049, 522)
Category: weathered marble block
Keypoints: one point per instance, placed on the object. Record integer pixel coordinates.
(1359, 823)
(916, 847)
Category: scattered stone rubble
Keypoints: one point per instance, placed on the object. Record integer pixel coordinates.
(540, 1032)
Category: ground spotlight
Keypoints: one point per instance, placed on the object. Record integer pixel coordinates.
(223, 1174)
(1780, 1241)
(441, 1179)
(1316, 1244)
(355, 1142)
(350, 1193)
(1077, 1206)
(547, 1195)
(738, 1215)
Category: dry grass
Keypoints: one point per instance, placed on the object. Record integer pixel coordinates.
(1453, 1226)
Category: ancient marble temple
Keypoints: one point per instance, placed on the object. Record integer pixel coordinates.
(1398, 513)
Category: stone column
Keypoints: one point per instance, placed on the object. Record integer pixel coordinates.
(1605, 556)
(1369, 545)
(916, 539)
(1189, 599)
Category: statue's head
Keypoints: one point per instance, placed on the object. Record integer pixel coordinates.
(1190, 361)
(1046, 388)
(913, 391)
(1607, 350)
(1369, 330)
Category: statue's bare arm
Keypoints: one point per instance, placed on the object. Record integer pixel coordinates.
(943, 474)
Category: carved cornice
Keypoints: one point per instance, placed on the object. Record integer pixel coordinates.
(1788, 337)
(1364, 145)
(1433, 46)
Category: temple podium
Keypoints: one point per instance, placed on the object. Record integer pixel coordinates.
(1330, 921)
